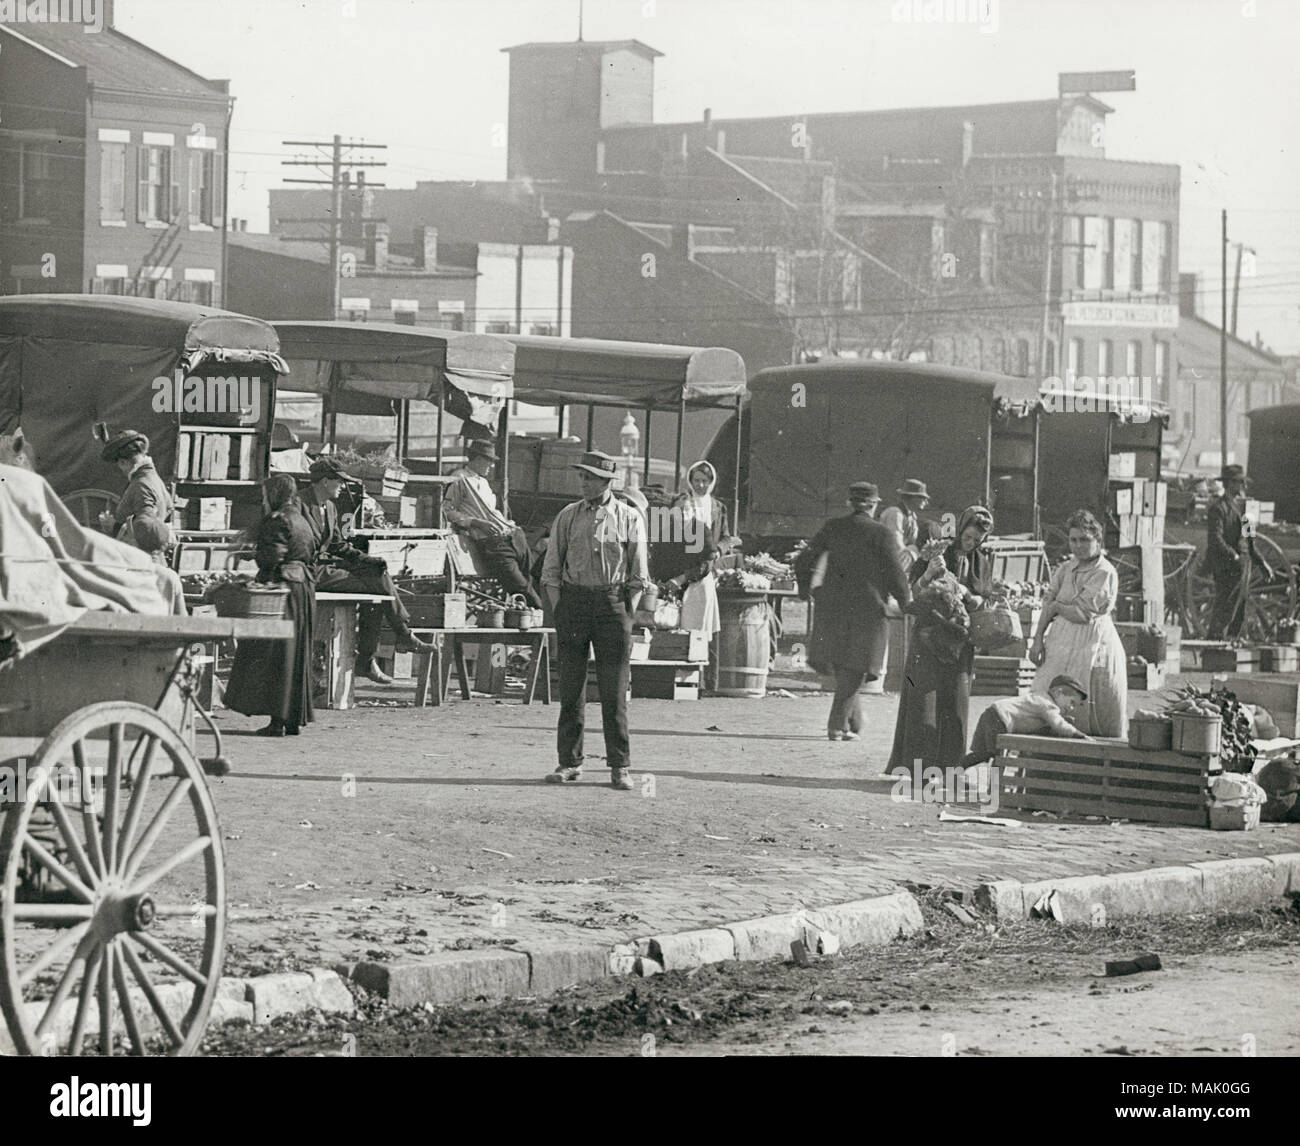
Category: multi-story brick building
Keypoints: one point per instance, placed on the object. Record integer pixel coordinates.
(112, 167)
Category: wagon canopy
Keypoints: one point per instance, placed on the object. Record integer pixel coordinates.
(390, 362)
(68, 361)
(637, 375)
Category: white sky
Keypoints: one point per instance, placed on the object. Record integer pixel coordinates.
(1216, 88)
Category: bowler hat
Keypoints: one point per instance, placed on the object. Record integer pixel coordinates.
(326, 467)
(913, 488)
(1233, 473)
(482, 448)
(864, 491)
(1064, 681)
(119, 445)
(598, 464)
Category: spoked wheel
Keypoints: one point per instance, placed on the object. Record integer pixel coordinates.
(87, 504)
(1272, 597)
(127, 917)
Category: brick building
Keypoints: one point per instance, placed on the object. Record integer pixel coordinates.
(114, 180)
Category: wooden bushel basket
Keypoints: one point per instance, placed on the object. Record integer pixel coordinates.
(246, 601)
(1197, 735)
(1151, 735)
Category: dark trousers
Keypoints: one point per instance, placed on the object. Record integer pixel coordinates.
(506, 559)
(1227, 614)
(600, 619)
(372, 617)
(984, 743)
(846, 709)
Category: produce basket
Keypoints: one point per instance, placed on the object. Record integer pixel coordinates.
(1150, 735)
(250, 600)
(521, 615)
(1195, 735)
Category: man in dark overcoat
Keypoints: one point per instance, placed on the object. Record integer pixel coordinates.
(1223, 555)
(862, 569)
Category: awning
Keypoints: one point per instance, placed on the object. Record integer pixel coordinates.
(396, 362)
(637, 375)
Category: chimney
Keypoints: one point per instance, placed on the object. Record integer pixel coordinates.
(426, 247)
(708, 118)
(1187, 283)
(377, 245)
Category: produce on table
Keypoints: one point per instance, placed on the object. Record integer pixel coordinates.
(1237, 752)
(744, 581)
(768, 566)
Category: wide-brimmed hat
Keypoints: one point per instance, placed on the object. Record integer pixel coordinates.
(598, 464)
(864, 491)
(482, 448)
(328, 467)
(1233, 473)
(913, 488)
(117, 446)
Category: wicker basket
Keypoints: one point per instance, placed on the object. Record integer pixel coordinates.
(250, 600)
(1151, 735)
(1197, 735)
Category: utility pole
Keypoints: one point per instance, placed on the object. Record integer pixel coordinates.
(337, 163)
(1236, 285)
(1050, 240)
(1223, 343)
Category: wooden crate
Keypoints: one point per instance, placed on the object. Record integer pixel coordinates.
(679, 645)
(1279, 658)
(666, 680)
(1103, 778)
(1226, 658)
(1146, 678)
(437, 610)
(1280, 695)
(1002, 676)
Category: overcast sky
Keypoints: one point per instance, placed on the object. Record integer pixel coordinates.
(1216, 86)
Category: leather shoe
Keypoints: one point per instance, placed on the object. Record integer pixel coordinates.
(408, 642)
(373, 672)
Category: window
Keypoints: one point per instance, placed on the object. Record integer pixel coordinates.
(112, 182)
(199, 293)
(1162, 370)
(205, 188)
(1133, 360)
(157, 194)
(1135, 254)
(1105, 359)
(1072, 254)
(1074, 361)
(1020, 367)
(37, 181)
(547, 328)
(501, 328)
(404, 317)
(995, 356)
(1122, 232)
(1108, 254)
(1165, 260)
(107, 286)
(1094, 244)
(1051, 359)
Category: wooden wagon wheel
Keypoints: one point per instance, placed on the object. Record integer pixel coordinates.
(130, 882)
(1272, 598)
(1178, 564)
(87, 504)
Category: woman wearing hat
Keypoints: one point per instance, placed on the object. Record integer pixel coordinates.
(273, 678)
(934, 703)
(688, 559)
(146, 493)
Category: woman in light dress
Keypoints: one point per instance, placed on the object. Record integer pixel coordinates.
(1076, 635)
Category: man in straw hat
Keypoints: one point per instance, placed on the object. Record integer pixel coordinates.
(471, 508)
(343, 568)
(1223, 554)
(595, 572)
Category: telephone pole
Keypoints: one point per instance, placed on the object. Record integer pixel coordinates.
(337, 164)
(1223, 343)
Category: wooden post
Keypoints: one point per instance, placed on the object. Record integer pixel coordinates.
(646, 478)
(735, 491)
(591, 425)
(677, 463)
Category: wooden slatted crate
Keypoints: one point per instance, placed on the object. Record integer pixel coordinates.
(1002, 676)
(1229, 659)
(666, 680)
(1146, 678)
(1103, 778)
(1279, 658)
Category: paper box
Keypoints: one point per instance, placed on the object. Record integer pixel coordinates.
(214, 514)
(1123, 466)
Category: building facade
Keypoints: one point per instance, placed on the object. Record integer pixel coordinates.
(115, 182)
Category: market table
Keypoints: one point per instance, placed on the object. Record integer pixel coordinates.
(435, 666)
(335, 639)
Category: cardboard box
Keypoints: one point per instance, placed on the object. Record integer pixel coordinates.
(1235, 818)
(214, 514)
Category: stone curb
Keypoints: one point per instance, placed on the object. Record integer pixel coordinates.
(494, 974)
(1215, 885)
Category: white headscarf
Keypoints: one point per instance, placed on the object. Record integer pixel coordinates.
(694, 505)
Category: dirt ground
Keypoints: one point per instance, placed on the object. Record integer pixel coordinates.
(1227, 987)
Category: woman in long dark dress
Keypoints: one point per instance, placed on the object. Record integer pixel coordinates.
(273, 678)
(935, 697)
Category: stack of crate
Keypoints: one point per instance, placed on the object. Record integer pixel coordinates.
(1138, 507)
(1002, 676)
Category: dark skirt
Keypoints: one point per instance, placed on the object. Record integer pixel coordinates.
(932, 710)
(273, 678)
